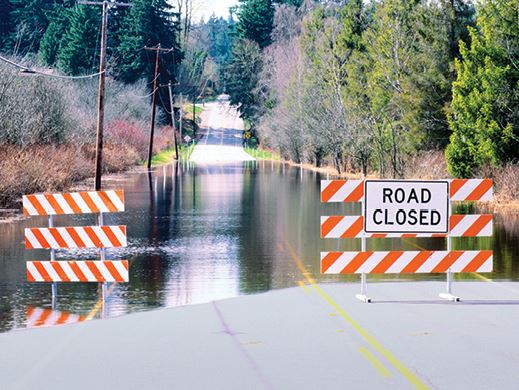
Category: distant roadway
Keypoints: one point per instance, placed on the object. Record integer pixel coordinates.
(222, 130)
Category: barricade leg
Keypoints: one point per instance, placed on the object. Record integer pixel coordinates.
(363, 289)
(448, 294)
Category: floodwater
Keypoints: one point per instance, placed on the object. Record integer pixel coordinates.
(203, 233)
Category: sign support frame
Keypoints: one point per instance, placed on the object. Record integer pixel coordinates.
(363, 277)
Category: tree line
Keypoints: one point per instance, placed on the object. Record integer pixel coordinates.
(365, 85)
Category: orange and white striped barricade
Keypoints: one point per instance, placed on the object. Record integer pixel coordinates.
(101, 237)
(38, 317)
(405, 209)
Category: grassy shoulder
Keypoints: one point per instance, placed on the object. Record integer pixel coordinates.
(262, 154)
(167, 156)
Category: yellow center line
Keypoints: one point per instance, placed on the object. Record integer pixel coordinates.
(371, 340)
(99, 304)
(374, 361)
(303, 286)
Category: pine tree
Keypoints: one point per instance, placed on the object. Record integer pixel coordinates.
(5, 21)
(242, 76)
(29, 21)
(485, 119)
(78, 47)
(256, 18)
(51, 41)
(147, 24)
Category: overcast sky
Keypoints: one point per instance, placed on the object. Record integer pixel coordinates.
(206, 7)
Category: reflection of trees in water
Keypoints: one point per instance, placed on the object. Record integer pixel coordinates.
(253, 230)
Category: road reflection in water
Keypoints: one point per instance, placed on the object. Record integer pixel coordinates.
(203, 233)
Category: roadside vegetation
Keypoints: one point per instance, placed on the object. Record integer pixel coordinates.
(48, 122)
(381, 88)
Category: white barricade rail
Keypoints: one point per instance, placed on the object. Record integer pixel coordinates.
(78, 271)
(353, 227)
(74, 203)
(405, 262)
(406, 209)
(353, 190)
(76, 237)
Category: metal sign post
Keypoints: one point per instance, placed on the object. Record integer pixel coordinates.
(54, 285)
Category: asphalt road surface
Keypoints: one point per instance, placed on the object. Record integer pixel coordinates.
(221, 140)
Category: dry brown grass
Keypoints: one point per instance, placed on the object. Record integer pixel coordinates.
(54, 168)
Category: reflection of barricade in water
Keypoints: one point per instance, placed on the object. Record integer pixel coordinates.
(38, 317)
(385, 205)
(53, 238)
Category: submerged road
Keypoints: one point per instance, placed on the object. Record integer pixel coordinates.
(221, 140)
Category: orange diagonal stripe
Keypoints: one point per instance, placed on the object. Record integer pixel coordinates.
(72, 204)
(43, 272)
(36, 204)
(331, 189)
(357, 194)
(59, 270)
(95, 271)
(356, 262)
(113, 271)
(447, 262)
(329, 260)
(54, 204)
(477, 261)
(455, 185)
(480, 190)
(40, 238)
(106, 201)
(329, 224)
(58, 237)
(108, 230)
(93, 236)
(386, 262)
(478, 225)
(354, 229)
(89, 202)
(416, 262)
(77, 271)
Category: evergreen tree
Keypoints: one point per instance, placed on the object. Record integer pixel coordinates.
(484, 118)
(242, 76)
(5, 21)
(255, 22)
(77, 52)
(51, 41)
(147, 24)
(29, 20)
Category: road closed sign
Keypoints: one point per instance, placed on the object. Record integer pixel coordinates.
(393, 206)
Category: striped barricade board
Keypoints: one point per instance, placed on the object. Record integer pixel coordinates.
(78, 271)
(353, 227)
(74, 203)
(353, 190)
(75, 237)
(408, 262)
(38, 317)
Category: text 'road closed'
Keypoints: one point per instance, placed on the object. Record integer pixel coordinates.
(392, 206)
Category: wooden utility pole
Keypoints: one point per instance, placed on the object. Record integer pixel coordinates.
(181, 117)
(157, 49)
(173, 118)
(102, 82)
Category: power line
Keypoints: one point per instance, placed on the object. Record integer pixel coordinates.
(32, 71)
(145, 96)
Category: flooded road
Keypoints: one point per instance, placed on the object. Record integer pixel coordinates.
(203, 233)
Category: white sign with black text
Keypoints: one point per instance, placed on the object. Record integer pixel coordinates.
(394, 206)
